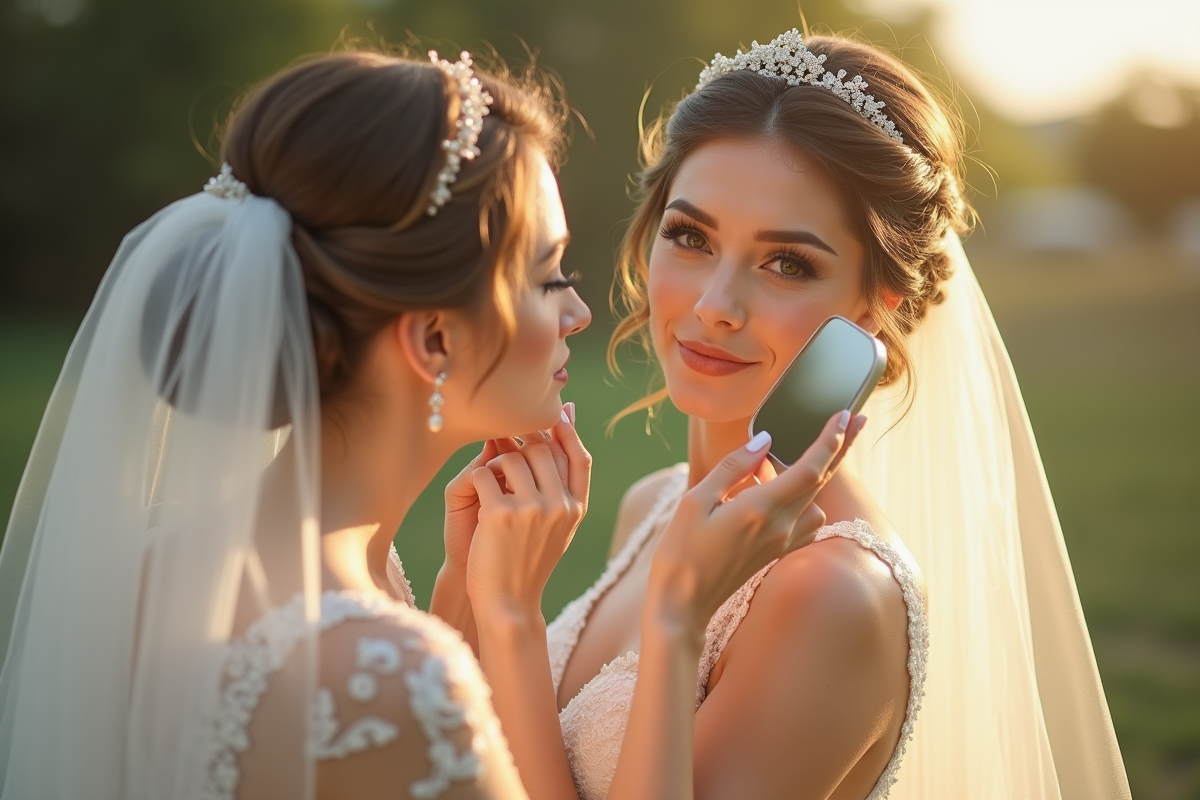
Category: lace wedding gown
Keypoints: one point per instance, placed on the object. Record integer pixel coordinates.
(446, 691)
(593, 722)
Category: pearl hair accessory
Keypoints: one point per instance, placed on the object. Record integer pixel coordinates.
(473, 107)
(787, 57)
(224, 185)
(436, 401)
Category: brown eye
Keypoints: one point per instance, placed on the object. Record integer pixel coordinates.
(789, 267)
(694, 240)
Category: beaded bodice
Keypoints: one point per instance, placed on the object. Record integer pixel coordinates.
(593, 722)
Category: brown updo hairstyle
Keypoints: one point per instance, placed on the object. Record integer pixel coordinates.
(350, 145)
(901, 199)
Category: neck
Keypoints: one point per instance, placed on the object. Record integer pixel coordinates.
(709, 442)
(373, 468)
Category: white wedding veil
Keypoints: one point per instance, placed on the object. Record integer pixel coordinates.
(160, 510)
(1013, 707)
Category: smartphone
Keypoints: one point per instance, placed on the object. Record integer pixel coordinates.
(837, 369)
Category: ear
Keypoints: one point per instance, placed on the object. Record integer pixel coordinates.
(424, 338)
(867, 321)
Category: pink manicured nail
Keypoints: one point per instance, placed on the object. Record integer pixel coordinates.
(843, 420)
(760, 440)
(570, 407)
(563, 415)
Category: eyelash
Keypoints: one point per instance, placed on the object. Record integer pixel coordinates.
(562, 284)
(672, 232)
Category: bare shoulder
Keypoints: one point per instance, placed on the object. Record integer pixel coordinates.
(840, 594)
(637, 502)
(403, 711)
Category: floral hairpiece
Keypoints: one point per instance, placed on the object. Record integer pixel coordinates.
(473, 107)
(788, 58)
(223, 184)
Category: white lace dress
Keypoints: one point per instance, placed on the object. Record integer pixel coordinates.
(593, 722)
(446, 691)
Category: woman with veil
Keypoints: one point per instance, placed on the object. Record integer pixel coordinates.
(929, 642)
(200, 599)
(199, 595)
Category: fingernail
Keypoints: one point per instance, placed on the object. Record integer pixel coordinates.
(571, 411)
(563, 415)
(760, 440)
(843, 420)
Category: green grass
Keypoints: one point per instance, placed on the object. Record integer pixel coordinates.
(1110, 368)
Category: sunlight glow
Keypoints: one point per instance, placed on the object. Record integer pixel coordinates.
(1041, 60)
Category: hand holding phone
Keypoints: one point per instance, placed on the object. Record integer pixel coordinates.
(837, 369)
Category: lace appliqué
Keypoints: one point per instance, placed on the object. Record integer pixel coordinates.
(267, 644)
(375, 656)
(362, 734)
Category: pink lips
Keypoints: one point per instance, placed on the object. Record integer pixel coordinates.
(561, 375)
(709, 360)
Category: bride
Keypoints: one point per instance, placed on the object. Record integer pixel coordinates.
(200, 599)
(929, 643)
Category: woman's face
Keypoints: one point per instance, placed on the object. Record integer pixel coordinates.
(522, 394)
(753, 254)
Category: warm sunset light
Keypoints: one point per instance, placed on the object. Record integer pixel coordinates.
(1040, 60)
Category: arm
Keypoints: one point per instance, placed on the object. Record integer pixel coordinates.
(710, 548)
(451, 604)
(813, 693)
(449, 601)
(523, 531)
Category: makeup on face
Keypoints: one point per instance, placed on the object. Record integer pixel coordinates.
(710, 360)
(753, 254)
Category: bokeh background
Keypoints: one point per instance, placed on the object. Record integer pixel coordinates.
(1086, 115)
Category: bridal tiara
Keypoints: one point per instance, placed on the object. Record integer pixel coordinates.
(473, 107)
(788, 58)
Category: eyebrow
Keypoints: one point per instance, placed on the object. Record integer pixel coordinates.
(778, 237)
(561, 244)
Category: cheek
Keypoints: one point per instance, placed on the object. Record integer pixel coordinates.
(532, 348)
(669, 290)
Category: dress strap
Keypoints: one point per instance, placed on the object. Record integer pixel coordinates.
(573, 618)
(729, 616)
(918, 634)
(399, 579)
(722, 627)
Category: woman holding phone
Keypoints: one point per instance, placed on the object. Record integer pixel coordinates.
(198, 595)
(802, 180)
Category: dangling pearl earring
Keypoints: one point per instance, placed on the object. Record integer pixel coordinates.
(436, 401)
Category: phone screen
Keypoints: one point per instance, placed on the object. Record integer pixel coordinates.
(836, 370)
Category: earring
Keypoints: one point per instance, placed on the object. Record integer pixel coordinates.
(436, 401)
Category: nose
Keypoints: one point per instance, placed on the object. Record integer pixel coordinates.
(718, 305)
(576, 316)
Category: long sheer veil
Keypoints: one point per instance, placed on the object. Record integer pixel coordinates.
(142, 533)
(1013, 707)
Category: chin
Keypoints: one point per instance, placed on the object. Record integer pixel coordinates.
(709, 405)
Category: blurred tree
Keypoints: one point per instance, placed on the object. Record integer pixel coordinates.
(99, 99)
(1144, 148)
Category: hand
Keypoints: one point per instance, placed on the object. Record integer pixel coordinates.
(532, 497)
(462, 510)
(713, 544)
